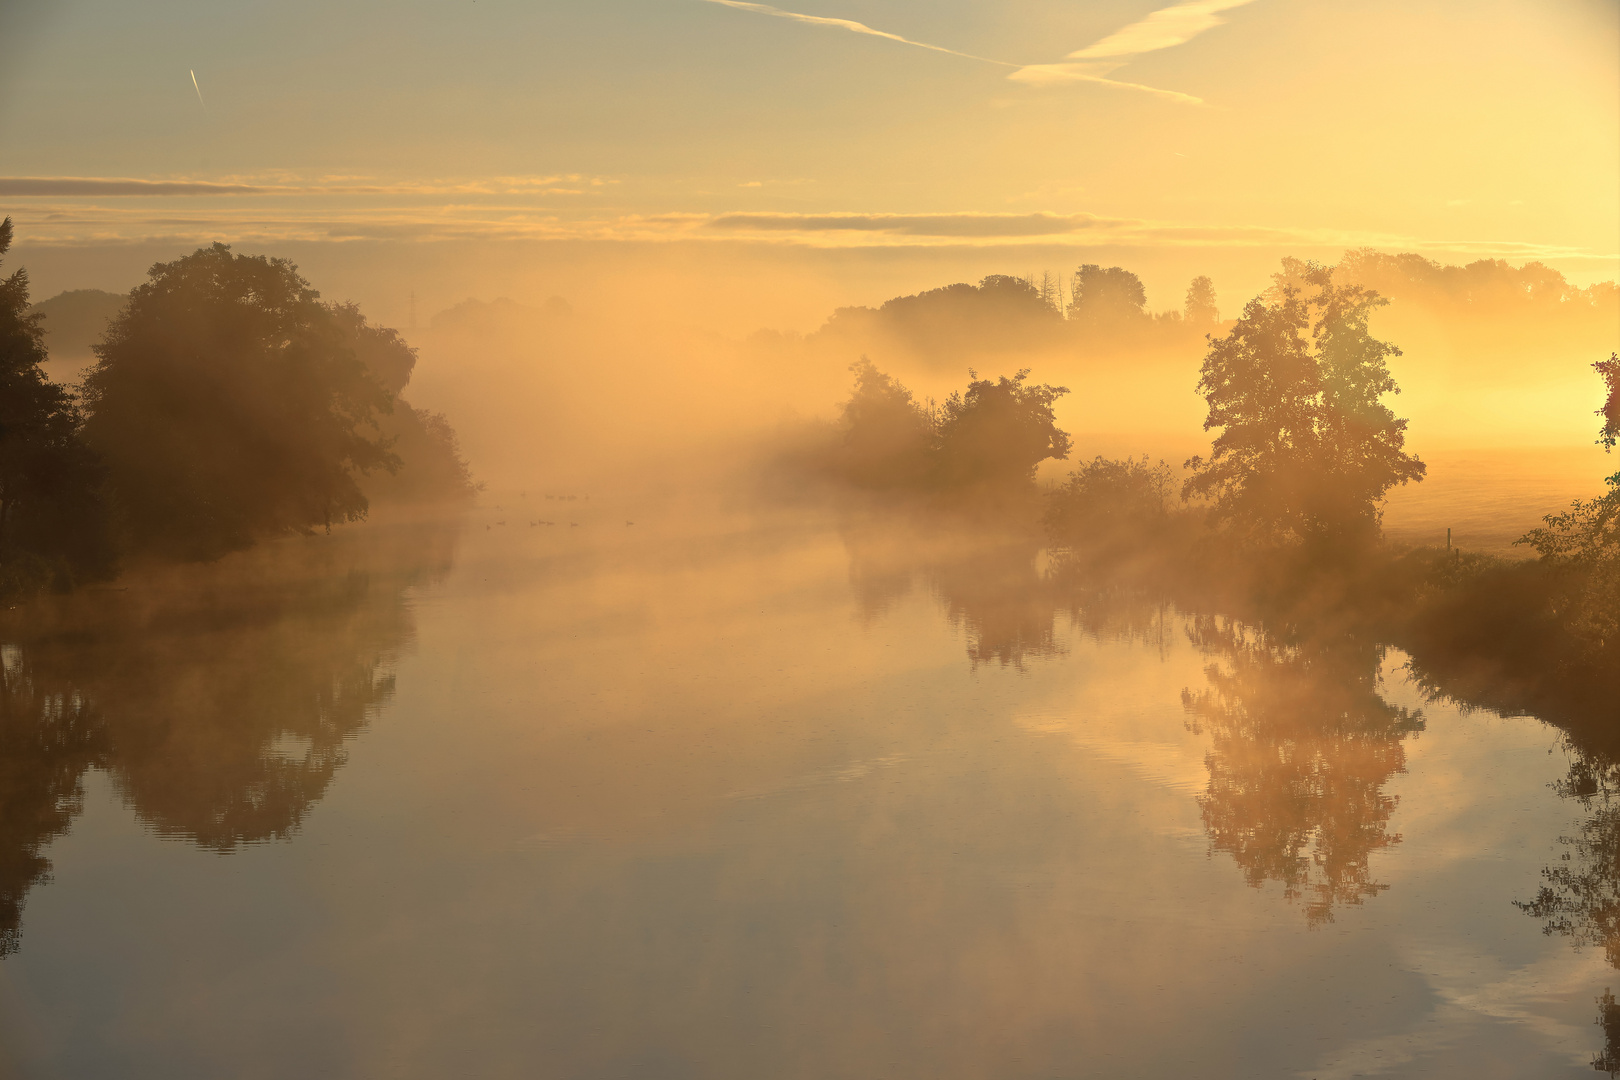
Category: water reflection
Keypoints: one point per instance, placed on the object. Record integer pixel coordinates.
(221, 700)
(989, 583)
(1580, 896)
(49, 738)
(1301, 746)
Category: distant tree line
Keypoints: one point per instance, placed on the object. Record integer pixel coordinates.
(1004, 314)
(985, 441)
(1283, 515)
(228, 404)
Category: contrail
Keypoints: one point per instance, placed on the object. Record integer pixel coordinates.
(853, 27)
(197, 88)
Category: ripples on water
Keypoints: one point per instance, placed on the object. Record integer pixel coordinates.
(771, 797)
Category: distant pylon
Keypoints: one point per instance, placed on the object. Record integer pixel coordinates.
(413, 309)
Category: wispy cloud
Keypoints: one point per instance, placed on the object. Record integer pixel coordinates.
(966, 225)
(76, 186)
(55, 186)
(853, 27)
(81, 223)
(1162, 29)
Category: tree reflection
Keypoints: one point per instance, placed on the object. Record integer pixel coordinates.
(989, 583)
(49, 738)
(221, 700)
(1301, 748)
(1001, 601)
(1580, 897)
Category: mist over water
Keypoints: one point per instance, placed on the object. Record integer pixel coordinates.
(701, 745)
(742, 792)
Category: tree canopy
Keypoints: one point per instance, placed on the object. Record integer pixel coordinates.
(997, 432)
(1584, 541)
(1107, 296)
(1610, 370)
(1200, 308)
(989, 437)
(231, 404)
(1307, 448)
(50, 514)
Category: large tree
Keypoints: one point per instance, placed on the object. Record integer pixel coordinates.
(1107, 296)
(1307, 448)
(50, 513)
(997, 432)
(231, 404)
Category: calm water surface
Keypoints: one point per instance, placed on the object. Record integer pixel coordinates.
(766, 797)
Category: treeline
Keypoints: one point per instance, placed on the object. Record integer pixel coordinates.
(1005, 313)
(1280, 522)
(1106, 307)
(228, 404)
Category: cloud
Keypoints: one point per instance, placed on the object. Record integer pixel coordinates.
(259, 226)
(76, 186)
(921, 225)
(1162, 29)
(1057, 74)
(853, 27)
(81, 185)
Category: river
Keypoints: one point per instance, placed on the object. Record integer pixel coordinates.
(729, 794)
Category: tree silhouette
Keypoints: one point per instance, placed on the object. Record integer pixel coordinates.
(1582, 545)
(1200, 308)
(51, 521)
(1610, 370)
(431, 468)
(996, 432)
(1307, 449)
(230, 404)
(886, 434)
(1108, 509)
(1301, 746)
(1107, 297)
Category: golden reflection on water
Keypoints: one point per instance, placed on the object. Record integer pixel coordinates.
(763, 797)
(1301, 748)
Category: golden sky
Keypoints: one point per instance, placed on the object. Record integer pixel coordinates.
(1040, 131)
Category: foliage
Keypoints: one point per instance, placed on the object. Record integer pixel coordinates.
(990, 437)
(231, 404)
(431, 468)
(1107, 297)
(1301, 746)
(996, 433)
(940, 327)
(51, 521)
(1610, 370)
(886, 434)
(1307, 448)
(1583, 543)
(1110, 507)
(1492, 284)
(1200, 308)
